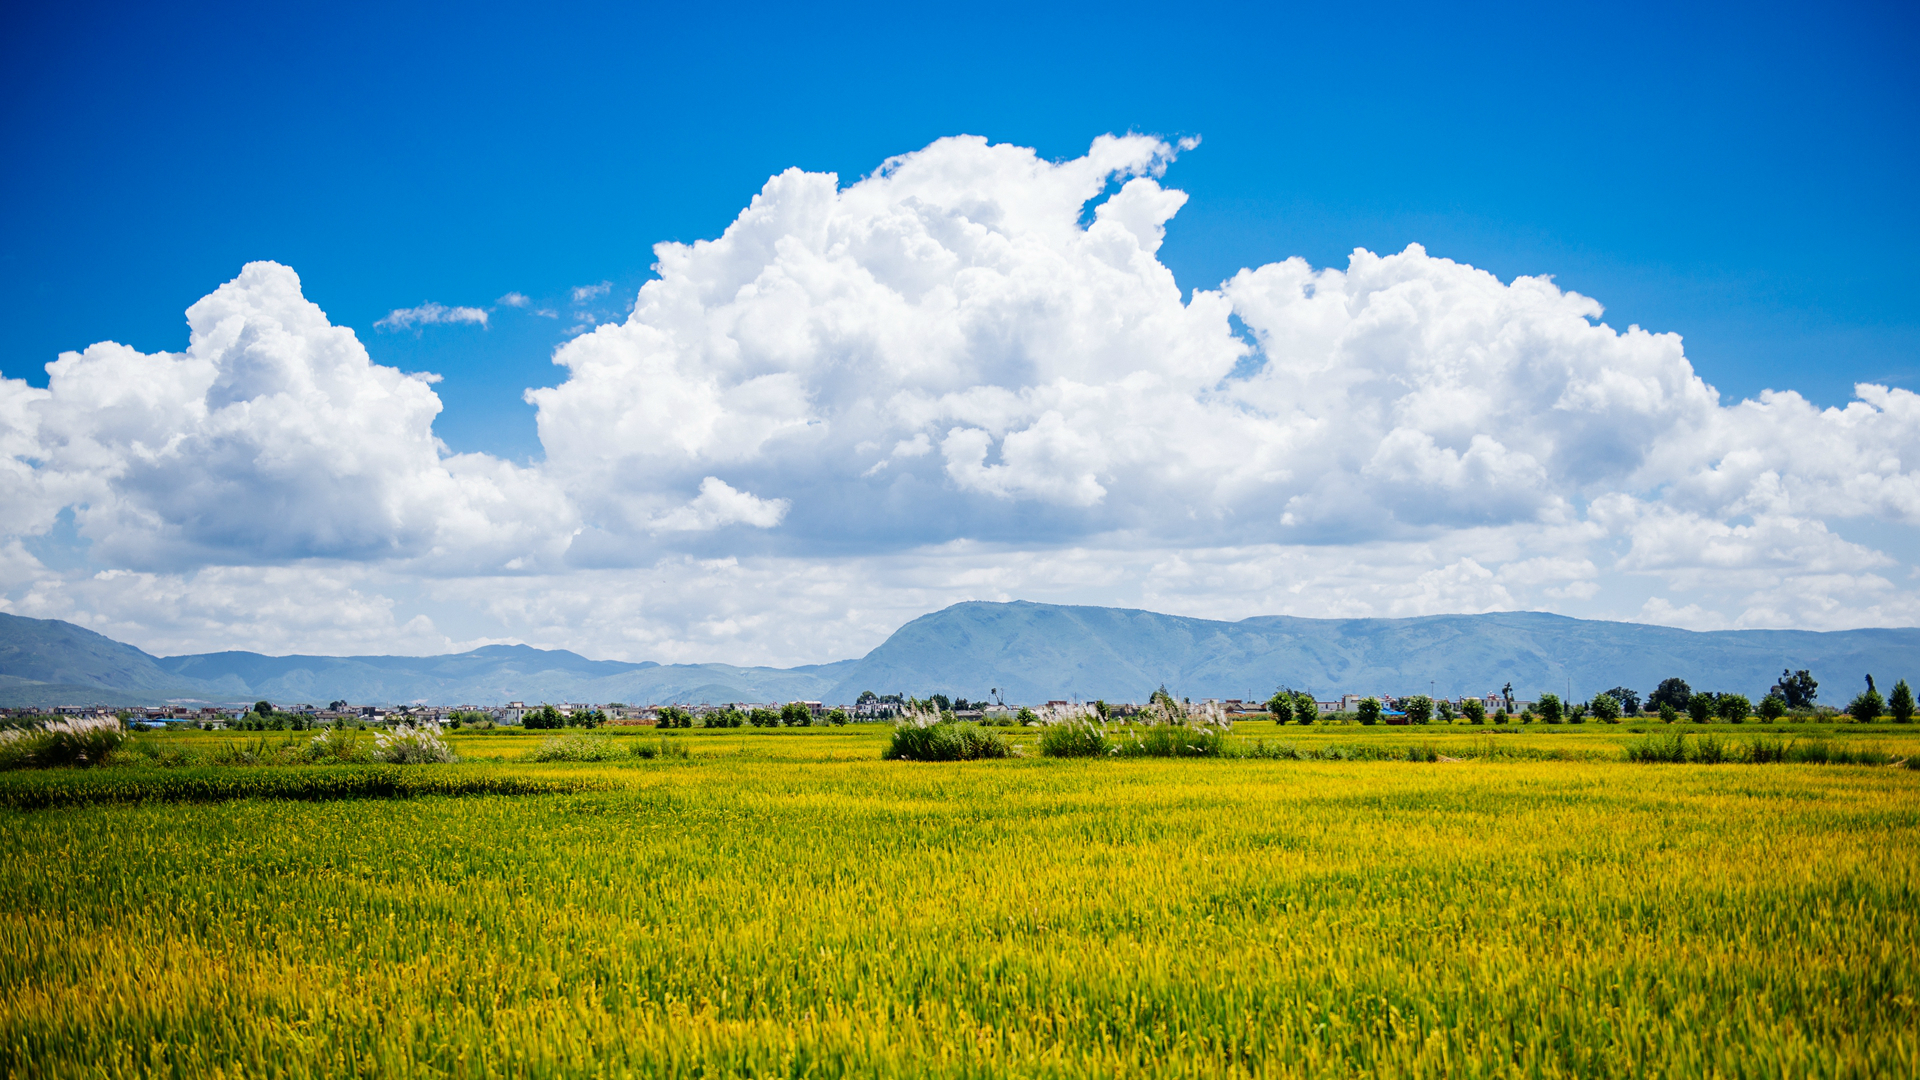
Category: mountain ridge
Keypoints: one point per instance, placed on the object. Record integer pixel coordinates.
(1027, 651)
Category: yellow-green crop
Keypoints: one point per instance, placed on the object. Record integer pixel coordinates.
(786, 904)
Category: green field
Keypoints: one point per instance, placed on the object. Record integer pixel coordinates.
(784, 903)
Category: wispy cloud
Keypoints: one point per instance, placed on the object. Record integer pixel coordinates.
(430, 313)
(584, 293)
(514, 299)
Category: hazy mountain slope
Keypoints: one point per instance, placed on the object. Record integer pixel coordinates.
(1031, 652)
(1038, 651)
(57, 654)
(489, 675)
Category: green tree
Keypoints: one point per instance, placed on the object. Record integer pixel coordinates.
(1549, 708)
(1900, 703)
(1772, 707)
(1419, 709)
(264, 708)
(1605, 709)
(837, 717)
(1281, 706)
(1700, 707)
(544, 718)
(796, 713)
(1369, 711)
(1474, 710)
(1674, 692)
(1733, 708)
(1798, 688)
(762, 716)
(1668, 714)
(1026, 717)
(1444, 710)
(1628, 700)
(1867, 707)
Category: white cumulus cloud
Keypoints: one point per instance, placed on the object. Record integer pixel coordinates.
(969, 374)
(718, 505)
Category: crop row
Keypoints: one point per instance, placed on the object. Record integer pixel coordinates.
(66, 787)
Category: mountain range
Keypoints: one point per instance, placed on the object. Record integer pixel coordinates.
(1027, 652)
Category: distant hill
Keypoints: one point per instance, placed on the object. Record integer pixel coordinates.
(1030, 652)
(1040, 651)
(50, 662)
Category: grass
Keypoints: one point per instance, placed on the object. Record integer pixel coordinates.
(945, 742)
(788, 904)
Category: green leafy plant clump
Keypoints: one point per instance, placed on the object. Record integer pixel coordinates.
(1678, 748)
(945, 741)
(61, 742)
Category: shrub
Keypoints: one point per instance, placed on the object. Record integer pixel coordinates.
(1474, 710)
(1733, 708)
(406, 744)
(1700, 707)
(1605, 709)
(1772, 707)
(61, 742)
(1900, 703)
(1445, 710)
(1668, 714)
(1172, 740)
(1710, 750)
(837, 717)
(661, 749)
(1074, 738)
(1369, 711)
(336, 746)
(944, 741)
(1026, 717)
(1670, 748)
(1867, 707)
(1419, 709)
(578, 747)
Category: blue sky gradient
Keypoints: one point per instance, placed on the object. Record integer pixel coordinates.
(1739, 174)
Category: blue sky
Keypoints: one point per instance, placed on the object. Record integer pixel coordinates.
(1739, 176)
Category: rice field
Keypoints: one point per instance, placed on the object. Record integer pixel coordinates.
(785, 903)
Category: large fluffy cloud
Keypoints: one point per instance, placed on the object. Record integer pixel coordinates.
(967, 374)
(272, 438)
